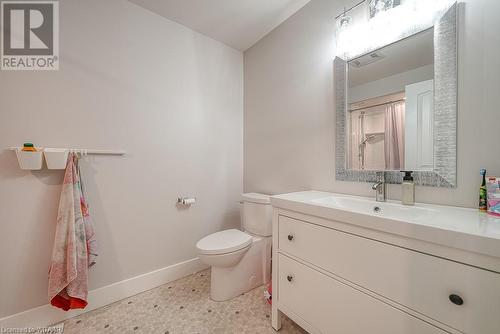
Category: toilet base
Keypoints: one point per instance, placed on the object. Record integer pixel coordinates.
(252, 271)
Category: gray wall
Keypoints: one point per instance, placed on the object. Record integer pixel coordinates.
(289, 123)
(390, 85)
(130, 80)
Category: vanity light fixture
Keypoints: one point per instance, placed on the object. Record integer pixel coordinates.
(366, 34)
(343, 21)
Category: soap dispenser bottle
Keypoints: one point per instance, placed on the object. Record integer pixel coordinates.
(408, 185)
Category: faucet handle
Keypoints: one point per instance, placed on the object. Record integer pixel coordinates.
(380, 176)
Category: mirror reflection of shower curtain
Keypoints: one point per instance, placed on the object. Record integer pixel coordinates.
(394, 136)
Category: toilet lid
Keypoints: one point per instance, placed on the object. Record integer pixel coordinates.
(256, 198)
(224, 242)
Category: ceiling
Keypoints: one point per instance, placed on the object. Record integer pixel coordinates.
(237, 23)
(399, 57)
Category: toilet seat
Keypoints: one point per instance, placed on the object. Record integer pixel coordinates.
(223, 242)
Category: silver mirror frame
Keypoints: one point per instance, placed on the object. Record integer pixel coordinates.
(445, 113)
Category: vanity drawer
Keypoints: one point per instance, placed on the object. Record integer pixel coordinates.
(334, 307)
(424, 283)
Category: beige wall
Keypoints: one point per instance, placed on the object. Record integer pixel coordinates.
(289, 123)
(128, 80)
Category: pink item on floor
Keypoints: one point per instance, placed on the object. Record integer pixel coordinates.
(269, 293)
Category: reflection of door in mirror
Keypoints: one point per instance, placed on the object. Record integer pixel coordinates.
(419, 146)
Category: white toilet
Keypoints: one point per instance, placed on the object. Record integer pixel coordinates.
(240, 261)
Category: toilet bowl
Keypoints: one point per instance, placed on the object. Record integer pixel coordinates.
(240, 261)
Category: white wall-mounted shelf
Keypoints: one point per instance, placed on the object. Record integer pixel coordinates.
(55, 158)
(29, 160)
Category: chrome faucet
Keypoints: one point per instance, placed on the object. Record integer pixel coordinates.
(380, 187)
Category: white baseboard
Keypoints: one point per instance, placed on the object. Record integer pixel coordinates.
(46, 315)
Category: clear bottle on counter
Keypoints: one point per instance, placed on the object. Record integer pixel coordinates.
(408, 189)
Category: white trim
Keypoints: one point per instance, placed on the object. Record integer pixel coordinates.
(46, 315)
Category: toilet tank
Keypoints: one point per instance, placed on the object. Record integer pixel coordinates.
(257, 214)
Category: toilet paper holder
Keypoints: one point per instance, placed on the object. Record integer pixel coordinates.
(186, 200)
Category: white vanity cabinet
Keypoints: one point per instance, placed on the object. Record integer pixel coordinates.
(331, 276)
(326, 305)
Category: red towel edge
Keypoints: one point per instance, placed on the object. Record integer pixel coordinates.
(68, 304)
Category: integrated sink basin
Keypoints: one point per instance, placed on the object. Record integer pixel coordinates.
(459, 228)
(371, 207)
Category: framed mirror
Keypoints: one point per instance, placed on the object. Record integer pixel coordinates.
(396, 108)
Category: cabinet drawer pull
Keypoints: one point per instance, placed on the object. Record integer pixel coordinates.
(456, 299)
(289, 278)
(290, 237)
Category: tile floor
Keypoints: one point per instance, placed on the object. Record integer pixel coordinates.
(182, 306)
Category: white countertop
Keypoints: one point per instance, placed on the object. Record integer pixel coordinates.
(461, 228)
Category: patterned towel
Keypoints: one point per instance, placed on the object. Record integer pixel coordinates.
(68, 275)
(89, 227)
